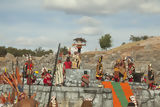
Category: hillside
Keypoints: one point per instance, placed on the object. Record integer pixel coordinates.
(143, 52)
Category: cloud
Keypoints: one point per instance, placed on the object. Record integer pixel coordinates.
(103, 7)
(90, 31)
(88, 21)
(33, 42)
(89, 26)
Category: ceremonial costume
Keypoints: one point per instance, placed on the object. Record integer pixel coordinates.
(46, 77)
(85, 80)
(99, 69)
(59, 73)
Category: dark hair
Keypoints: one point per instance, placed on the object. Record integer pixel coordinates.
(68, 59)
(85, 72)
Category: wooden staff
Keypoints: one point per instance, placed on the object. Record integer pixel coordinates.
(55, 66)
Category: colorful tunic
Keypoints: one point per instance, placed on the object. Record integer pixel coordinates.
(47, 78)
(99, 71)
(85, 80)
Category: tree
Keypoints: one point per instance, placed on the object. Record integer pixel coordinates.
(64, 50)
(39, 51)
(3, 51)
(123, 43)
(105, 41)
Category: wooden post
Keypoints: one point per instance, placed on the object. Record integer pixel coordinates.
(55, 66)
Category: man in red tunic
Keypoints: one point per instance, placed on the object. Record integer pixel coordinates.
(67, 65)
(85, 80)
(46, 77)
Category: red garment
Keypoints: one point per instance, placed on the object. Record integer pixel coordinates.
(68, 65)
(130, 79)
(29, 65)
(99, 78)
(86, 77)
(47, 79)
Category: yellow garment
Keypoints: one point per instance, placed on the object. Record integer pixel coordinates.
(125, 76)
(99, 70)
(116, 69)
(36, 72)
(5, 69)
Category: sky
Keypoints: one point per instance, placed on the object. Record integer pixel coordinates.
(45, 23)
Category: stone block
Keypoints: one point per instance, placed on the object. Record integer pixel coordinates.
(60, 96)
(152, 93)
(157, 101)
(144, 105)
(107, 103)
(109, 96)
(40, 88)
(71, 96)
(86, 95)
(38, 96)
(47, 88)
(150, 103)
(157, 92)
(98, 101)
(42, 97)
(46, 98)
(26, 87)
(145, 94)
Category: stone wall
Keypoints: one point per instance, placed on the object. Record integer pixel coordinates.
(69, 96)
(73, 77)
(145, 97)
(73, 96)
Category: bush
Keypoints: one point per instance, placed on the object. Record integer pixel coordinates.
(138, 38)
(19, 52)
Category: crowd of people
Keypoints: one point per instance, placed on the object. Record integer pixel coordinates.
(124, 71)
(47, 76)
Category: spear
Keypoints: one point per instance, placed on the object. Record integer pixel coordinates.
(55, 66)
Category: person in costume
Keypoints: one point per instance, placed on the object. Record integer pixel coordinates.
(28, 65)
(67, 64)
(46, 77)
(99, 69)
(107, 77)
(150, 77)
(133, 102)
(59, 74)
(76, 61)
(53, 102)
(116, 74)
(79, 42)
(85, 80)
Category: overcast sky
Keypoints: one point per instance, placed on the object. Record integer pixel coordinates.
(33, 23)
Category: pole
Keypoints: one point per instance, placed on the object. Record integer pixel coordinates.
(29, 77)
(55, 66)
(23, 74)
